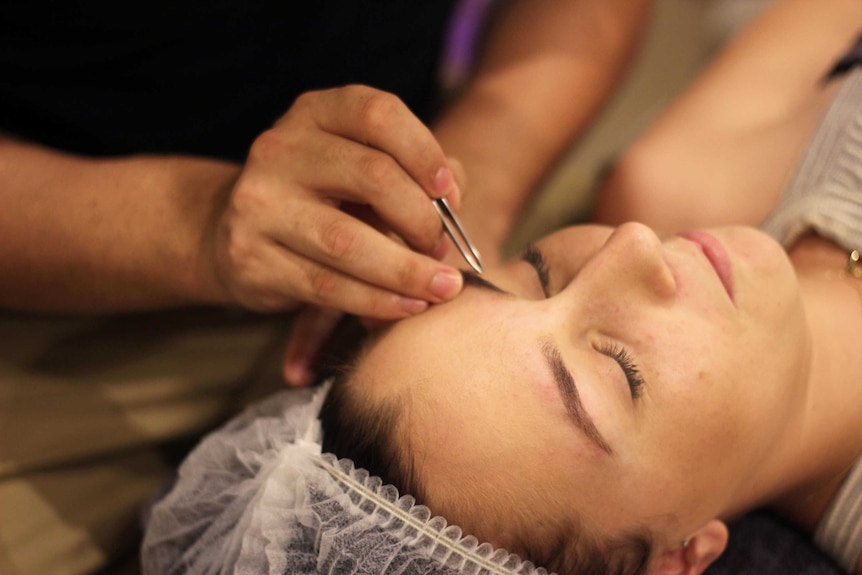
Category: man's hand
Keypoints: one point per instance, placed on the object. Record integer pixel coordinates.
(314, 324)
(284, 237)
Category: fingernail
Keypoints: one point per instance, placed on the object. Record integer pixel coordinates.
(413, 306)
(443, 181)
(446, 285)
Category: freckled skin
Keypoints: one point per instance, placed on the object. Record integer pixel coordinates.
(488, 413)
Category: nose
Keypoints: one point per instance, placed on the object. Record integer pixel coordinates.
(631, 263)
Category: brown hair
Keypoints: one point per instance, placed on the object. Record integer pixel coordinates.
(357, 429)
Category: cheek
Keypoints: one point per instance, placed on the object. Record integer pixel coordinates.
(724, 400)
(692, 384)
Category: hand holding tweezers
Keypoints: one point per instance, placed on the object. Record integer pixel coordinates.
(456, 231)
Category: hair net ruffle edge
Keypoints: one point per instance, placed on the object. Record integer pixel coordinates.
(258, 497)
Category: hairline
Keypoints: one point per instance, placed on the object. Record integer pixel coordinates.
(391, 415)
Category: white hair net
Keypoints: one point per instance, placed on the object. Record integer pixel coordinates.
(258, 497)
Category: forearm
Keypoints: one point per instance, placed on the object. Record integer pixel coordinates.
(723, 151)
(84, 235)
(546, 68)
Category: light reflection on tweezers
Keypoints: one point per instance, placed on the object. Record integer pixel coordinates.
(456, 231)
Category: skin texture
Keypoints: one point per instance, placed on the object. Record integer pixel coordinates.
(719, 155)
(153, 232)
(725, 378)
(744, 406)
(722, 152)
(512, 120)
(330, 200)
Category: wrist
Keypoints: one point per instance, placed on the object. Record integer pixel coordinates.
(203, 190)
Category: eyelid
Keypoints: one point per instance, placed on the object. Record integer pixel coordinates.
(534, 257)
(624, 359)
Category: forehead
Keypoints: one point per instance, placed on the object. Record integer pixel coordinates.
(470, 339)
(480, 353)
(475, 394)
(485, 424)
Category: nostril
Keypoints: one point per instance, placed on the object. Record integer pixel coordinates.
(642, 259)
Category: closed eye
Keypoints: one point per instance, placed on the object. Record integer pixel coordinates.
(619, 354)
(534, 257)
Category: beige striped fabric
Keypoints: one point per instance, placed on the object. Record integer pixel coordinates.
(88, 408)
(840, 530)
(825, 195)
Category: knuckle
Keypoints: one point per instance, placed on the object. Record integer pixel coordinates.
(245, 274)
(248, 198)
(322, 283)
(301, 111)
(407, 273)
(268, 146)
(379, 306)
(379, 110)
(340, 240)
(356, 91)
(306, 99)
(379, 169)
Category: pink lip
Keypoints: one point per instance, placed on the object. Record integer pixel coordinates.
(717, 256)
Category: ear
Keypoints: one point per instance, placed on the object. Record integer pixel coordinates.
(702, 548)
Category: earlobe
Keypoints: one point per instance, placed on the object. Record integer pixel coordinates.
(700, 550)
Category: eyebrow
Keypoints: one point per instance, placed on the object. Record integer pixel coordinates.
(475, 280)
(531, 255)
(562, 376)
(571, 397)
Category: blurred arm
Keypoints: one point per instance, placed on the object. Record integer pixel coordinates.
(545, 69)
(78, 234)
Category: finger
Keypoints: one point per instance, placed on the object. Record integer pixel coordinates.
(365, 214)
(345, 170)
(279, 273)
(311, 329)
(460, 175)
(328, 236)
(381, 120)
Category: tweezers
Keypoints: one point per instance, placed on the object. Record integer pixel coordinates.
(456, 231)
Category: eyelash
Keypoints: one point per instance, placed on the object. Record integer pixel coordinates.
(535, 258)
(627, 364)
(615, 351)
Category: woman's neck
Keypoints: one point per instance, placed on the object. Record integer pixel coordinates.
(829, 438)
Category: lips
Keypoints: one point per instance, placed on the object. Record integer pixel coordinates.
(716, 255)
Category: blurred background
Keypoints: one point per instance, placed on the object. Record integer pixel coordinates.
(683, 35)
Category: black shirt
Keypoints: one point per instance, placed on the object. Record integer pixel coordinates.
(200, 76)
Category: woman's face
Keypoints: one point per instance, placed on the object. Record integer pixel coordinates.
(641, 385)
